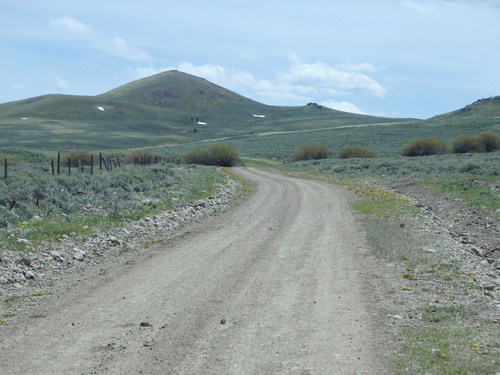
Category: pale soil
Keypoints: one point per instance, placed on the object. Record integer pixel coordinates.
(283, 283)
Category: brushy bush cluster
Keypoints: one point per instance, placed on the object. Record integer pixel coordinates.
(424, 146)
(483, 142)
(465, 144)
(489, 140)
(311, 152)
(217, 154)
(349, 152)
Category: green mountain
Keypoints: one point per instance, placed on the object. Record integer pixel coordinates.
(482, 108)
(170, 107)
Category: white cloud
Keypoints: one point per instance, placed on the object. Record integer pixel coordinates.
(211, 72)
(71, 25)
(85, 33)
(343, 106)
(419, 7)
(359, 67)
(121, 49)
(322, 76)
(61, 83)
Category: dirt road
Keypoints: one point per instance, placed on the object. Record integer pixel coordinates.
(278, 285)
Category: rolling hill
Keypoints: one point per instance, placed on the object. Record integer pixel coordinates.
(170, 107)
(482, 108)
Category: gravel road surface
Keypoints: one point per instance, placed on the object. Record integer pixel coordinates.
(279, 284)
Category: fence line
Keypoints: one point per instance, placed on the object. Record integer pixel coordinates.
(106, 163)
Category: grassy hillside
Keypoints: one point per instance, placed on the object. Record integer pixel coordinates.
(482, 108)
(386, 139)
(178, 108)
(165, 108)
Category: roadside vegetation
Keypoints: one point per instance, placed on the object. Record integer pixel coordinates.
(454, 174)
(447, 334)
(37, 206)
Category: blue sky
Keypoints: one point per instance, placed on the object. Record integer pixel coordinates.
(397, 58)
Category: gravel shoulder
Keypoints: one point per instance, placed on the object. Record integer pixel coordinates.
(282, 283)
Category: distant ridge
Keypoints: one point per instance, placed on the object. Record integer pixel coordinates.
(174, 107)
(486, 107)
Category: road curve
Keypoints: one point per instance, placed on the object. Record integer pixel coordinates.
(277, 285)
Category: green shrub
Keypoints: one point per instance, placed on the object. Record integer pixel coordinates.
(489, 140)
(217, 154)
(424, 146)
(465, 144)
(201, 156)
(311, 152)
(348, 152)
(223, 155)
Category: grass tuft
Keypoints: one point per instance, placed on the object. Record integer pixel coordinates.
(449, 350)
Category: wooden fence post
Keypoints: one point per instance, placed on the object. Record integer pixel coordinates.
(52, 165)
(100, 161)
(58, 163)
(91, 164)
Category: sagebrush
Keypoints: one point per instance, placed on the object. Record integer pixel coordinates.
(45, 206)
